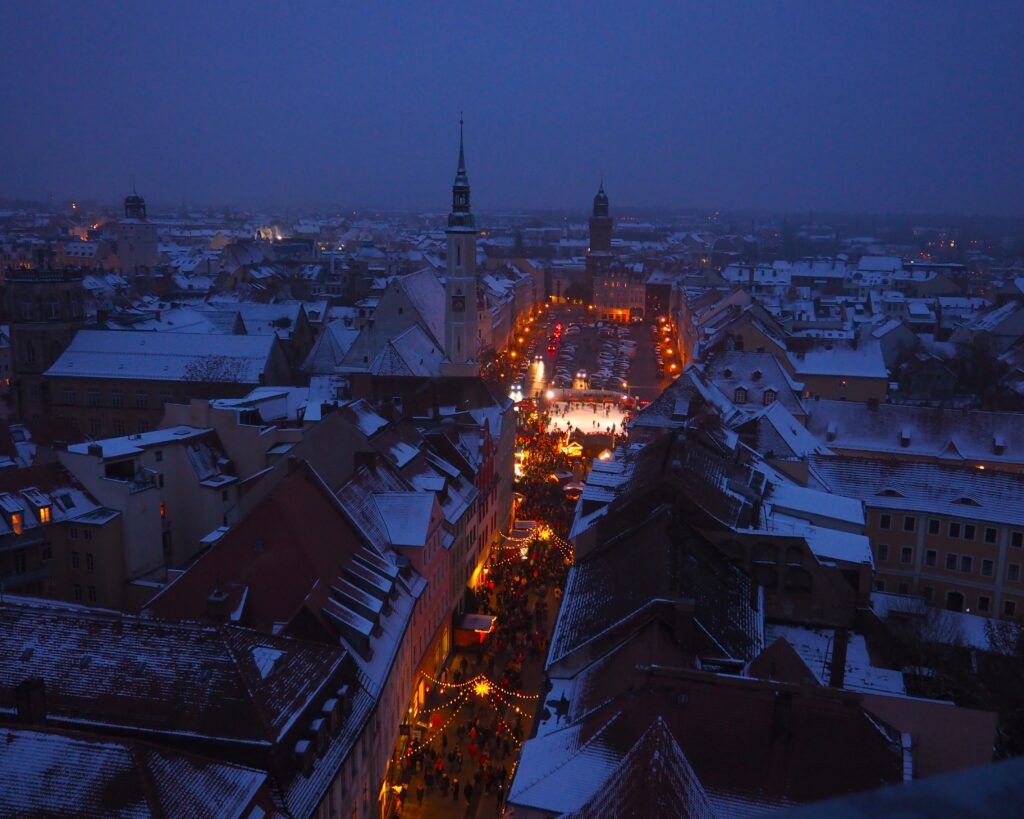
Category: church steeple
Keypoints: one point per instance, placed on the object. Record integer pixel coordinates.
(461, 217)
(600, 223)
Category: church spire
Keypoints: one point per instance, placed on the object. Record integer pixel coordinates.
(460, 217)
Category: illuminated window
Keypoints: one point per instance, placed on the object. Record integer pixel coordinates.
(163, 509)
(16, 523)
(44, 514)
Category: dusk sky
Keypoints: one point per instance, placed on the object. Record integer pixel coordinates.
(868, 106)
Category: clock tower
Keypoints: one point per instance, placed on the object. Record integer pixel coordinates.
(461, 332)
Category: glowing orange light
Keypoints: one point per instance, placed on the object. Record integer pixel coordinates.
(482, 688)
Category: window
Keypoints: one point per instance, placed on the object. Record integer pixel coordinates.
(47, 551)
(73, 533)
(20, 561)
(951, 561)
(740, 396)
(17, 523)
(769, 397)
(884, 521)
(909, 523)
(928, 592)
(95, 426)
(954, 529)
(142, 426)
(987, 567)
(983, 602)
(87, 534)
(163, 509)
(90, 564)
(933, 526)
(880, 585)
(968, 531)
(159, 455)
(165, 398)
(1013, 572)
(78, 592)
(119, 426)
(883, 551)
(1009, 608)
(1017, 539)
(903, 588)
(966, 564)
(69, 397)
(930, 556)
(117, 399)
(92, 397)
(75, 560)
(906, 555)
(92, 594)
(141, 400)
(991, 534)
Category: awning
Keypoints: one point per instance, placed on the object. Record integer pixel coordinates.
(481, 623)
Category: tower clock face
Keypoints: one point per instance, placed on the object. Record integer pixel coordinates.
(458, 304)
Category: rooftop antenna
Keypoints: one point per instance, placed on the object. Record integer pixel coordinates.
(134, 192)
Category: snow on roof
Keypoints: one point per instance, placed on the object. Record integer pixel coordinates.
(134, 444)
(863, 361)
(366, 419)
(815, 648)
(410, 353)
(958, 492)
(50, 773)
(164, 357)
(330, 348)
(426, 293)
(406, 515)
(848, 427)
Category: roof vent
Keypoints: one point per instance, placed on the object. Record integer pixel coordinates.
(904, 437)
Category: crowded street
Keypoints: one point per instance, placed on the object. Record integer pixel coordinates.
(482, 708)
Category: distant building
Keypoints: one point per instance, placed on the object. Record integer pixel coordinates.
(112, 382)
(46, 310)
(137, 249)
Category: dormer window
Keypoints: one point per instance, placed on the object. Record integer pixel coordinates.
(44, 514)
(769, 397)
(17, 523)
(740, 396)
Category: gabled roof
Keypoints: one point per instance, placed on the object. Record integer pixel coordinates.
(131, 673)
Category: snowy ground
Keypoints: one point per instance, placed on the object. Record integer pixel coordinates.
(582, 416)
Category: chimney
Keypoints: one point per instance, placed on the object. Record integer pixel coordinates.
(683, 621)
(96, 450)
(30, 701)
(217, 606)
(837, 667)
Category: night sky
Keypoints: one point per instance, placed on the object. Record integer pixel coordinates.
(863, 106)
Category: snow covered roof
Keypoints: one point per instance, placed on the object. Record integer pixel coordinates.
(164, 357)
(833, 358)
(54, 773)
(814, 646)
(899, 429)
(137, 443)
(959, 492)
(406, 516)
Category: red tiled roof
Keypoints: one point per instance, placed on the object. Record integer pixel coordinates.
(276, 555)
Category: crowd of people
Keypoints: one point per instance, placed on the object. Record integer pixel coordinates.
(471, 745)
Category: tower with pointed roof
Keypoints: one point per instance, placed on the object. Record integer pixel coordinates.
(600, 224)
(461, 324)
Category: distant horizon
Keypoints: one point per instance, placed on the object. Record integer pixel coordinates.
(875, 107)
(165, 209)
